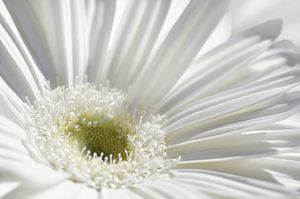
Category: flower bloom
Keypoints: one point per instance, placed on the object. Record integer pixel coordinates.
(98, 101)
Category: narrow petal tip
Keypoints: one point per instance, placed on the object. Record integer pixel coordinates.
(267, 30)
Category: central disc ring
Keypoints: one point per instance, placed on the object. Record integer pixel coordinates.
(107, 137)
(91, 133)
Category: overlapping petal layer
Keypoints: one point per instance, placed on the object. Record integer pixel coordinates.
(221, 117)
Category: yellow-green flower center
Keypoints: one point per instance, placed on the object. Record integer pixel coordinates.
(91, 133)
(101, 135)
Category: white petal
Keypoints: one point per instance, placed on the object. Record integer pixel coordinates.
(12, 107)
(259, 143)
(10, 143)
(219, 65)
(239, 167)
(32, 176)
(225, 185)
(286, 79)
(171, 60)
(22, 52)
(65, 190)
(55, 32)
(248, 13)
(226, 147)
(134, 45)
(101, 22)
(14, 69)
(216, 105)
(220, 35)
(283, 170)
(116, 193)
(11, 129)
(278, 56)
(166, 189)
(272, 108)
(10, 111)
(7, 187)
(87, 192)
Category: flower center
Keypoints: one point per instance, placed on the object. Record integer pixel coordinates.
(106, 137)
(90, 133)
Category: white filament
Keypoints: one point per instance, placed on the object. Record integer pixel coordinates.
(47, 116)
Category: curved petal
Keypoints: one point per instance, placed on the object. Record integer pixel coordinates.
(21, 52)
(172, 58)
(281, 168)
(247, 13)
(101, 19)
(203, 122)
(87, 192)
(7, 187)
(65, 190)
(115, 193)
(11, 106)
(36, 178)
(162, 189)
(132, 55)
(258, 143)
(55, 33)
(285, 171)
(222, 185)
(220, 65)
(131, 42)
(11, 142)
(14, 69)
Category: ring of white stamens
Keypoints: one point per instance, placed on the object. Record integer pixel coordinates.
(53, 120)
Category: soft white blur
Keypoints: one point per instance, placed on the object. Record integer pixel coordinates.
(246, 13)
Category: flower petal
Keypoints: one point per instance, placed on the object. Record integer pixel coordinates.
(130, 46)
(222, 185)
(11, 142)
(284, 171)
(115, 193)
(11, 105)
(43, 176)
(220, 35)
(220, 64)
(21, 53)
(14, 69)
(281, 168)
(7, 187)
(55, 33)
(247, 13)
(87, 192)
(135, 44)
(221, 148)
(172, 58)
(65, 190)
(259, 143)
(272, 105)
(101, 18)
(162, 189)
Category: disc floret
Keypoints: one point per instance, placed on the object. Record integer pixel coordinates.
(91, 133)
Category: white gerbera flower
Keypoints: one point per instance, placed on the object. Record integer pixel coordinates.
(98, 104)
